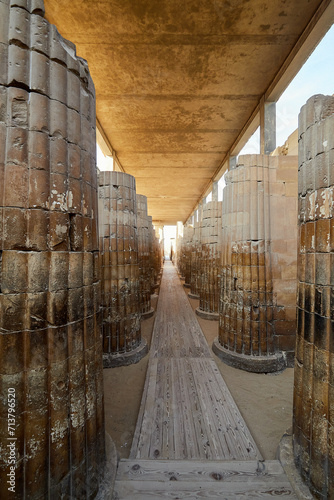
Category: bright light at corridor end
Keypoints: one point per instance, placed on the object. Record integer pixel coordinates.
(169, 238)
(104, 163)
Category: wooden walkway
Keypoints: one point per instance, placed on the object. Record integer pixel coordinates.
(191, 441)
(187, 411)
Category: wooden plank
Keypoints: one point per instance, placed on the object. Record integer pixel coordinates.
(139, 423)
(188, 410)
(218, 490)
(198, 470)
(232, 412)
(186, 415)
(140, 449)
(230, 426)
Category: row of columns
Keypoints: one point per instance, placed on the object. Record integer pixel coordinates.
(131, 260)
(276, 246)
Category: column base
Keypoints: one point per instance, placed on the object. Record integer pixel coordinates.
(207, 315)
(125, 358)
(255, 364)
(193, 296)
(286, 456)
(107, 484)
(147, 314)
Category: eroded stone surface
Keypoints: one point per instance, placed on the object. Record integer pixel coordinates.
(209, 268)
(119, 256)
(259, 252)
(50, 344)
(314, 375)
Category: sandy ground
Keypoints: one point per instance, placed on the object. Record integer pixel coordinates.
(265, 401)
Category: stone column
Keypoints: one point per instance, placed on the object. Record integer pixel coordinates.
(196, 256)
(209, 269)
(267, 127)
(122, 342)
(155, 256)
(50, 343)
(179, 237)
(144, 258)
(313, 419)
(186, 251)
(259, 264)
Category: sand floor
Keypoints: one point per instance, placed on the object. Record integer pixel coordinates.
(265, 401)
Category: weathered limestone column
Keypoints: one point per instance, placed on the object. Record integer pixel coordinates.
(158, 254)
(50, 343)
(144, 258)
(155, 262)
(209, 269)
(122, 342)
(196, 256)
(188, 234)
(313, 419)
(178, 244)
(259, 264)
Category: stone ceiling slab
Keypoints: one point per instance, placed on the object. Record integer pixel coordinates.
(176, 82)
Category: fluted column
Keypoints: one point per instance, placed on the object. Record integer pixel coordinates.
(51, 404)
(144, 258)
(209, 267)
(122, 341)
(258, 288)
(313, 412)
(195, 261)
(186, 251)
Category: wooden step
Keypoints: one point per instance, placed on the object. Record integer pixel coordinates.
(201, 479)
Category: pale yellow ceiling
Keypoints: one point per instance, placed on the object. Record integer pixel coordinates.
(177, 80)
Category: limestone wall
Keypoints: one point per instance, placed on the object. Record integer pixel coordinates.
(50, 343)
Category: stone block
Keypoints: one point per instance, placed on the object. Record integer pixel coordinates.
(14, 229)
(18, 66)
(39, 151)
(39, 189)
(39, 118)
(41, 77)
